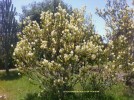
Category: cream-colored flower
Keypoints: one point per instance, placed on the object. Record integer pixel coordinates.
(93, 56)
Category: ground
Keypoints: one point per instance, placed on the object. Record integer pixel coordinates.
(15, 87)
(18, 87)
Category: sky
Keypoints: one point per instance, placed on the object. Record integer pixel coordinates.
(90, 8)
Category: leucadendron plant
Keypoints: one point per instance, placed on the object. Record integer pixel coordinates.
(62, 52)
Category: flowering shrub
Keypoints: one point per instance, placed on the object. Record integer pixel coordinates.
(120, 28)
(62, 52)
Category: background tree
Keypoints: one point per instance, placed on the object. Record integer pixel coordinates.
(8, 31)
(34, 10)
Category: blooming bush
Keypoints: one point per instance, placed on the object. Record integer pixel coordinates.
(120, 35)
(62, 52)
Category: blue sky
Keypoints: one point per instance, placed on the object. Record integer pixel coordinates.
(90, 8)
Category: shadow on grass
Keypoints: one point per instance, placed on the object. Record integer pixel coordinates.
(32, 96)
(13, 75)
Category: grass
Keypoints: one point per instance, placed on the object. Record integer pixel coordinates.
(120, 92)
(16, 87)
(116, 92)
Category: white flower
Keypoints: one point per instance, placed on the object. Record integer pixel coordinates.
(76, 58)
(33, 48)
(66, 78)
(52, 61)
(53, 50)
(53, 33)
(11, 45)
(57, 14)
(53, 39)
(35, 40)
(120, 66)
(30, 54)
(106, 67)
(129, 64)
(45, 61)
(58, 80)
(112, 53)
(61, 50)
(71, 52)
(66, 57)
(113, 66)
(19, 74)
(13, 53)
(33, 43)
(77, 48)
(93, 56)
(43, 44)
(42, 15)
(118, 57)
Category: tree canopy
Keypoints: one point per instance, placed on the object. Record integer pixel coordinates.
(34, 9)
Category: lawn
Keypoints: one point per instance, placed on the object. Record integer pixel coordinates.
(16, 87)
